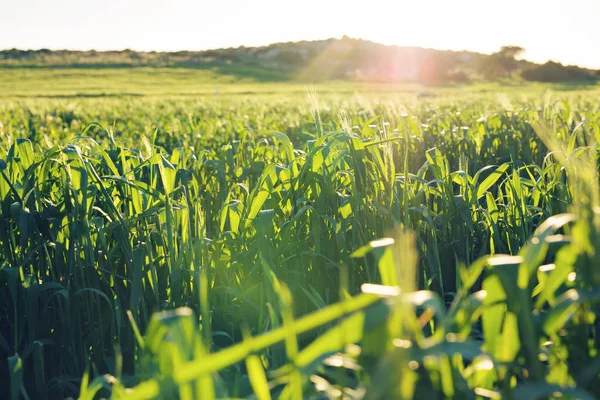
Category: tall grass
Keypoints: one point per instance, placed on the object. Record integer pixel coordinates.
(471, 232)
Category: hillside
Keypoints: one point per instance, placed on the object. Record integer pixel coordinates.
(344, 58)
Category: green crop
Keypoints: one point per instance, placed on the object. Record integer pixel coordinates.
(368, 246)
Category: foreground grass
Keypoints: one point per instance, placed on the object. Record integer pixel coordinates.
(258, 220)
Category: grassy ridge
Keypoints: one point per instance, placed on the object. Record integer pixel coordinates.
(227, 209)
(322, 60)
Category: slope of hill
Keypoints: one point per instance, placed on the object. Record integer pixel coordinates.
(344, 58)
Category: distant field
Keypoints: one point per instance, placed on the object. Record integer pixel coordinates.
(222, 233)
(180, 82)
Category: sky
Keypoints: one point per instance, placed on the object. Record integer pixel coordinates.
(559, 30)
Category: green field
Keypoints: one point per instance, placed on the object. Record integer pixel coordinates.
(68, 82)
(160, 239)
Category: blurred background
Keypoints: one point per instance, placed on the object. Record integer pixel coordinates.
(429, 42)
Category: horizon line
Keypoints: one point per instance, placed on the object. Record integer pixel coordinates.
(106, 50)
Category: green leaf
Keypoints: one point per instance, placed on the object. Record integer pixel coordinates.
(491, 180)
(258, 379)
(15, 370)
(286, 143)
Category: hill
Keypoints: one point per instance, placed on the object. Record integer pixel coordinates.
(329, 59)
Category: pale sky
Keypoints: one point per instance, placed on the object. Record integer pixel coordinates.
(562, 30)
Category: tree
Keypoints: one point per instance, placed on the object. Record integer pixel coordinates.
(556, 72)
(501, 63)
(510, 52)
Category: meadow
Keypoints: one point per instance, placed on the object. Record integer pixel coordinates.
(350, 241)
